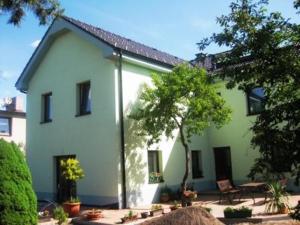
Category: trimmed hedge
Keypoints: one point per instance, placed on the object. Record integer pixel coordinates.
(18, 204)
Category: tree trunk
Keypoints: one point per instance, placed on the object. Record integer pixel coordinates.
(187, 168)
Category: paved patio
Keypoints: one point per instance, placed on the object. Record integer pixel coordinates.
(212, 201)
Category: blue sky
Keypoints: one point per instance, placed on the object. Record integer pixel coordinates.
(172, 26)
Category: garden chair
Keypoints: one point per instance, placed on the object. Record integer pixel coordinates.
(227, 190)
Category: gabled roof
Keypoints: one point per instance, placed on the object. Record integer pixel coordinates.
(110, 43)
(127, 45)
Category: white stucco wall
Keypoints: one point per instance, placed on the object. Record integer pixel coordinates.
(139, 191)
(18, 132)
(94, 138)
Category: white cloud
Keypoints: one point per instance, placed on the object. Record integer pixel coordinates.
(5, 75)
(35, 43)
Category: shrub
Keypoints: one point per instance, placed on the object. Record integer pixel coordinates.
(60, 215)
(18, 204)
(242, 212)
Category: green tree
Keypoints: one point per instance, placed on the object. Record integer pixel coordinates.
(44, 10)
(18, 204)
(184, 100)
(264, 52)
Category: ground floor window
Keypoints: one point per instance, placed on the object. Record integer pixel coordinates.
(154, 167)
(5, 126)
(197, 170)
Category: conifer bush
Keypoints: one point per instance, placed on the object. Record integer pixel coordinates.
(18, 204)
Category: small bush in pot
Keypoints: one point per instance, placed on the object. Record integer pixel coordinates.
(72, 172)
(156, 210)
(279, 201)
(60, 215)
(130, 216)
(243, 212)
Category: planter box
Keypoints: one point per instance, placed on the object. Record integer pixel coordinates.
(156, 212)
(237, 214)
(229, 221)
(127, 219)
(144, 215)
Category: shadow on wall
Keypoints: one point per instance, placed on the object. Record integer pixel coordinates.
(136, 164)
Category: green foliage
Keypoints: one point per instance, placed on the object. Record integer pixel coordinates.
(295, 214)
(279, 198)
(184, 99)
(156, 207)
(72, 172)
(44, 10)
(71, 169)
(74, 200)
(242, 212)
(60, 215)
(264, 52)
(155, 178)
(18, 204)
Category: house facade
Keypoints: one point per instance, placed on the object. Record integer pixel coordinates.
(81, 84)
(13, 122)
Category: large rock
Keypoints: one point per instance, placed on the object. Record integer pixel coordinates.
(185, 216)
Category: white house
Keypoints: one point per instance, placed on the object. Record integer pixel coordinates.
(81, 83)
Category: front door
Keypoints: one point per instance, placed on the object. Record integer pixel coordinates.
(223, 163)
(63, 187)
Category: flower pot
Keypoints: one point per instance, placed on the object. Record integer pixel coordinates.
(156, 212)
(94, 215)
(127, 219)
(164, 197)
(284, 210)
(144, 215)
(173, 207)
(72, 209)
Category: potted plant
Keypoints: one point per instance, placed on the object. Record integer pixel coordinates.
(156, 210)
(165, 194)
(175, 206)
(144, 215)
(129, 217)
(243, 212)
(72, 172)
(187, 197)
(94, 214)
(279, 201)
(60, 215)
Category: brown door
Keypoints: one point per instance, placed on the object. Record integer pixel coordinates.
(63, 187)
(223, 163)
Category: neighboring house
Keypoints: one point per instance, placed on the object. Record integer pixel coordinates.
(13, 122)
(81, 84)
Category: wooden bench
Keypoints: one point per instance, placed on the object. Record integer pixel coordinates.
(227, 190)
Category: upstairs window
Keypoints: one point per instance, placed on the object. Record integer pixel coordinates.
(197, 170)
(154, 167)
(5, 126)
(256, 101)
(47, 107)
(84, 98)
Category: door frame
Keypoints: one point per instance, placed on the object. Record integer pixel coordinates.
(228, 149)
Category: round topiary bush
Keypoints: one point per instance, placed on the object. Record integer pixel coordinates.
(18, 204)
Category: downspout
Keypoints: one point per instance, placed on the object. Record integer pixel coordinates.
(122, 135)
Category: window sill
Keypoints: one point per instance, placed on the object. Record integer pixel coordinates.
(83, 114)
(5, 135)
(158, 182)
(47, 121)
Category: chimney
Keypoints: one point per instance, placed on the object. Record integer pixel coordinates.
(16, 105)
